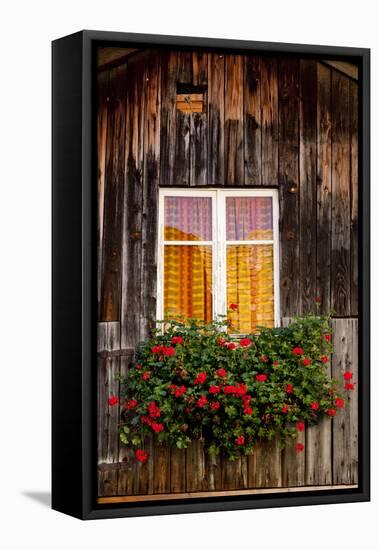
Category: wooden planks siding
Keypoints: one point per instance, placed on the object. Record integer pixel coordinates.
(282, 122)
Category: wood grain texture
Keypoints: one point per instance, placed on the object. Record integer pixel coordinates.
(269, 121)
(289, 186)
(354, 197)
(199, 127)
(234, 157)
(345, 424)
(340, 234)
(216, 118)
(252, 120)
(308, 184)
(108, 339)
(324, 186)
(265, 465)
(102, 119)
(110, 302)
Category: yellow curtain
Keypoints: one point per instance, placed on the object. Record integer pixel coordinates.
(250, 284)
(188, 281)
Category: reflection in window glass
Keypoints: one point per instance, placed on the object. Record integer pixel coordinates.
(248, 218)
(188, 219)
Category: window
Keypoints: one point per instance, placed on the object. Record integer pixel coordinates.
(218, 247)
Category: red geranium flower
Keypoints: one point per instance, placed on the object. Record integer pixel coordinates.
(180, 391)
(157, 427)
(177, 340)
(289, 388)
(324, 359)
(248, 411)
(231, 345)
(200, 378)
(276, 363)
(221, 342)
(141, 455)
(348, 375)
(340, 402)
(202, 401)
(245, 342)
(156, 349)
(349, 386)
(300, 426)
(221, 373)
(138, 366)
(154, 410)
(113, 400)
(240, 440)
(131, 404)
(215, 406)
(168, 351)
(246, 399)
(331, 412)
(233, 306)
(146, 420)
(297, 351)
(307, 361)
(264, 359)
(299, 447)
(284, 409)
(145, 375)
(327, 337)
(261, 377)
(315, 406)
(214, 389)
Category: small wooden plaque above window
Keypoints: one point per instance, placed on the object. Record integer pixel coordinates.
(190, 103)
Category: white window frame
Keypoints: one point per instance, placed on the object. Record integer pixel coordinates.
(218, 243)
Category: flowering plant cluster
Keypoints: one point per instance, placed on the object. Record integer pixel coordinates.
(195, 381)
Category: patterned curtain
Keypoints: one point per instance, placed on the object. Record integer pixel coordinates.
(188, 268)
(250, 267)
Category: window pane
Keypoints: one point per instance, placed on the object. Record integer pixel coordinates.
(188, 281)
(248, 218)
(250, 284)
(188, 219)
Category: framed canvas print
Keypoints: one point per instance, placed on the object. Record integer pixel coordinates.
(210, 274)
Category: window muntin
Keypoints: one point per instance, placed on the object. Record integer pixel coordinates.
(218, 247)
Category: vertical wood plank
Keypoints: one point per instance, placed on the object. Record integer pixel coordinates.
(175, 125)
(252, 121)
(340, 257)
(354, 126)
(199, 127)
(234, 473)
(269, 121)
(102, 116)
(345, 424)
(132, 208)
(265, 465)
(308, 185)
(151, 136)
(289, 185)
(114, 188)
(324, 187)
(177, 471)
(216, 119)
(161, 479)
(234, 158)
(108, 339)
(195, 467)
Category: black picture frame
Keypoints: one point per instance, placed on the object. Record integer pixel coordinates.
(74, 287)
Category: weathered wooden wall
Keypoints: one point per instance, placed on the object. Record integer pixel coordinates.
(286, 123)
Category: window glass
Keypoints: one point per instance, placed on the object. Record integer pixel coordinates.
(188, 219)
(250, 284)
(248, 218)
(188, 281)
